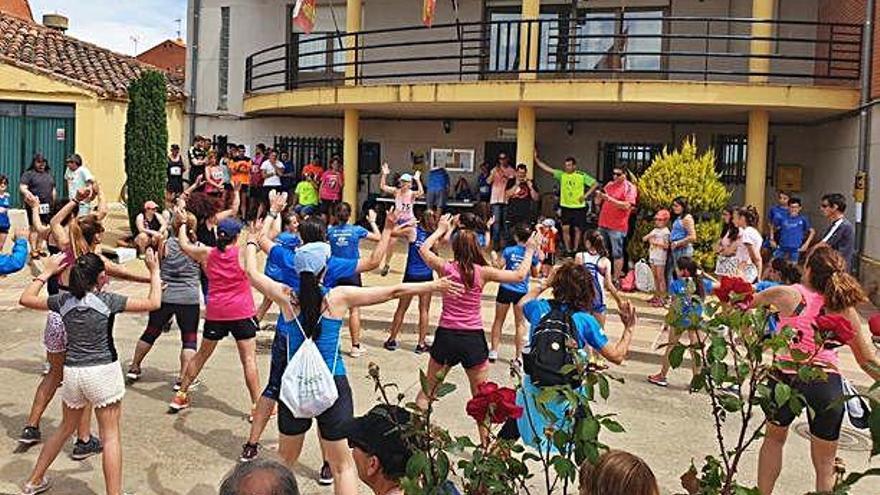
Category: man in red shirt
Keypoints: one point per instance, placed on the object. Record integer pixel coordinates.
(618, 199)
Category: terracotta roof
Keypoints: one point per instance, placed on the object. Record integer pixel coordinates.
(18, 8)
(49, 52)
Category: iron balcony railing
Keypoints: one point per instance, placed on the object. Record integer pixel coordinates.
(606, 47)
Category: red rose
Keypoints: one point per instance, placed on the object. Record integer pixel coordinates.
(736, 291)
(493, 402)
(835, 328)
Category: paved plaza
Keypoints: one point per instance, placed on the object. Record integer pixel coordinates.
(191, 452)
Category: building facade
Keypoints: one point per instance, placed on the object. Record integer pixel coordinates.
(773, 86)
(169, 55)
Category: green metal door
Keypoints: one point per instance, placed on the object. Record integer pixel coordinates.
(30, 128)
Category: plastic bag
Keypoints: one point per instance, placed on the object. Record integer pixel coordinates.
(644, 277)
(307, 385)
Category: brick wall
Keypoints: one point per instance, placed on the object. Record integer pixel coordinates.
(852, 11)
(170, 56)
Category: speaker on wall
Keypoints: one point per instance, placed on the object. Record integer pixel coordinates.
(369, 158)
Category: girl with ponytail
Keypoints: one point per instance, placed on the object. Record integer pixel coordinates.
(311, 312)
(91, 370)
(827, 289)
(748, 248)
(229, 309)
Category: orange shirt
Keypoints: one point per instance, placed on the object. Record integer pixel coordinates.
(548, 245)
(241, 171)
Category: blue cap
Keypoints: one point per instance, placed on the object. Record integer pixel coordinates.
(406, 178)
(312, 257)
(229, 227)
(288, 240)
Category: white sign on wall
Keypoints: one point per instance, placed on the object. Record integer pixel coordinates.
(453, 160)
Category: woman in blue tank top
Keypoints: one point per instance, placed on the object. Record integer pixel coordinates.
(682, 236)
(316, 313)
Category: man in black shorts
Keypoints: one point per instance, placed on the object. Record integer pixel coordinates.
(574, 187)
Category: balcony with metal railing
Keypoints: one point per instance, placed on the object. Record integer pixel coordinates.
(648, 47)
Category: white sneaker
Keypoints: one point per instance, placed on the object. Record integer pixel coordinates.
(493, 356)
(357, 351)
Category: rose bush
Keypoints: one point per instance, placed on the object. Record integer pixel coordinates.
(497, 404)
(735, 291)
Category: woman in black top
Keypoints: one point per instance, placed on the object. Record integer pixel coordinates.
(175, 174)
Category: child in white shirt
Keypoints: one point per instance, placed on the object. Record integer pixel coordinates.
(658, 247)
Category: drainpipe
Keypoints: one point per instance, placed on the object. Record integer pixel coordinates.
(864, 128)
(194, 65)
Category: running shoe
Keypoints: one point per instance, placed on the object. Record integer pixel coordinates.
(658, 380)
(516, 367)
(29, 435)
(133, 374)
(179, 402)
(29, 489)
(385, 270)
(195, 383)
(422, 348)
(249, 452)
(326, 476)
(84, 450)
(391, 345)
(493, 356)
(356, 351)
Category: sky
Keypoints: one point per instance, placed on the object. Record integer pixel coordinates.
(112, 23)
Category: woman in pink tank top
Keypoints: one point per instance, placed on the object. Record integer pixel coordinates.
(405, 197)
(229, 308)
(828, 288)
(459, 338)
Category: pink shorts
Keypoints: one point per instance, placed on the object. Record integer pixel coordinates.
(55, 335)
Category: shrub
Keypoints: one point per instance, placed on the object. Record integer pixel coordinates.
(146, 139)
(691, 174)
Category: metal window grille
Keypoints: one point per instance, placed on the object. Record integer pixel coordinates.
(634, 157)
(223, 64)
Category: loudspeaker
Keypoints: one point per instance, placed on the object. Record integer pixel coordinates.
(369, 158)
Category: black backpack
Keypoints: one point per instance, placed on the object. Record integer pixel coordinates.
(549, 351)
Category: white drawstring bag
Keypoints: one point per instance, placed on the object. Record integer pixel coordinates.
(307, 385)
(644, 277)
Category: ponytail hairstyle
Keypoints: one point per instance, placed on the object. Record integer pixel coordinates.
(311, 303)
(467, 253)
(224, 240)
(428, 221)
(203, 206)
(84, 232)
(687, 264)
(189, 220)
(473, 222)
(342, 213)
(729, 229)
(789, 273)
(594, 240)
(313, 229)
(84, 274)
(750, 213)
(828, 274)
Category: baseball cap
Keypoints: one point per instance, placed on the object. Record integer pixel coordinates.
(406, 178)
(662, 215)
(312, 257)
(229, 227)
(380, 433)
(548, 222)
(75, 158)
(150, 205)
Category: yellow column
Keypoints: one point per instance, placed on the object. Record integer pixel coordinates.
(350, 159)
(525, 138)
(528, 39)
(756, 159)
(352, 25)
(762, 10)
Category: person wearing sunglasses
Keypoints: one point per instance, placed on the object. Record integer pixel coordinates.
(379, 449)
(840, 234)
(618, 200)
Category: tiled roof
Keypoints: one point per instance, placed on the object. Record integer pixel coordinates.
(18, 8)
(50, 52)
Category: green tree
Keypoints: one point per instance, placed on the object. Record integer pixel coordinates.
(684, 172)
(146, 139)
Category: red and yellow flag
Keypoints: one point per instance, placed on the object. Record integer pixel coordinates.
(428, 8)
(304, 13)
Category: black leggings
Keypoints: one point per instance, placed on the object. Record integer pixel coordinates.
(824, 398)
(187, 316)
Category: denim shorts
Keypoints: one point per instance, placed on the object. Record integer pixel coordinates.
(615, 241)
(436, 199)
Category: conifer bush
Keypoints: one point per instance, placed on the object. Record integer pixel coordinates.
(684, 172)
(146, 140)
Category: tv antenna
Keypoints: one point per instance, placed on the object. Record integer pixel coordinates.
(179, 22)
(134, 39)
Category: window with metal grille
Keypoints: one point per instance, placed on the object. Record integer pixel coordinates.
(223, 63)
(634, 157)
(731, 154)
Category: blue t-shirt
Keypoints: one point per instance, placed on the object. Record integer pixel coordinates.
(328, 341)
(438, 179)
(777, 212)
(532, 423)
(691, 313)
(416, 268)
(280, 267)
(345, 240)
(513, 257)
(4, 216)
(792, 230)
(339, 269)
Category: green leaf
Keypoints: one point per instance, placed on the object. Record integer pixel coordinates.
(604, 390)
(676, 355)
(423, 379)
(417, 465)
(564, 467)
(698, 382)
(444, 389)
(612, 426)
(588, 429)
(442, 466)
(730, 403)
(874, 426)
(782, 394)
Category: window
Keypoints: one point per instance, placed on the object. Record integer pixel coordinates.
(319, 52)
(634, 157)
(504, 40)
(731, 154)
(223, 63)
(643, 25)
